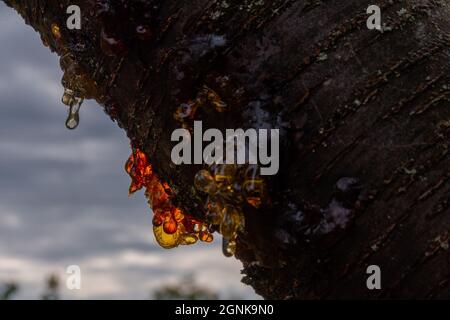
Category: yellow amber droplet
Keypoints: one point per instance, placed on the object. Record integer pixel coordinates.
(56, 31)
(206, 236)
(170, 226)
(167, 241)
(228, 247)
(224, 173)
(204, 182)
(188, 239)
(214, 208)
(157, 220)
(232, 222)
(178, 214)
(254, 192)
(254, 201)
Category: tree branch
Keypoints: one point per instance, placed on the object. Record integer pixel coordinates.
(364, 119)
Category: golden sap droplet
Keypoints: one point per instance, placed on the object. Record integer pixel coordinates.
(56, 31)
(214, 207)
(232, 222)
(188, 239)
(205, 236)
(204, 182)
(224, 173)
(228, 247)
(167, 241)
(170, 226)
(254, 192)
(254, 202)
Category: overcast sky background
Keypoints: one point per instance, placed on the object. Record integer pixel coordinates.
(63, 194)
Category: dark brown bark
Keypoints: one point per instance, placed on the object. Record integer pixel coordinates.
(365, 122)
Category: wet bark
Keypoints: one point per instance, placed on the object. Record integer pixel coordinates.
(364, 116)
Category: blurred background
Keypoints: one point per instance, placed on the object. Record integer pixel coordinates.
(64, 197)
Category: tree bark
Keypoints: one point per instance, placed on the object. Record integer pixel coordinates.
(364, 118)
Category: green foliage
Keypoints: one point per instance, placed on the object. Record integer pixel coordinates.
(52, 290)
(185, 290)
(8, 290)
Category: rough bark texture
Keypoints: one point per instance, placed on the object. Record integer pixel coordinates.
(369, 106)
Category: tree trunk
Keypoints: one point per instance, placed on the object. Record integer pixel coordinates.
(364, 118)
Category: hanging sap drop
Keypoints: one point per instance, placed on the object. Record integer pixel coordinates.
(214, 208)
(228, 247)
(233, 221)
(73, 120)
(205, 236)
(70, 99)
(165, 240)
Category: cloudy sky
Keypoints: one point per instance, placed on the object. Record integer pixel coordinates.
(63, 194)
